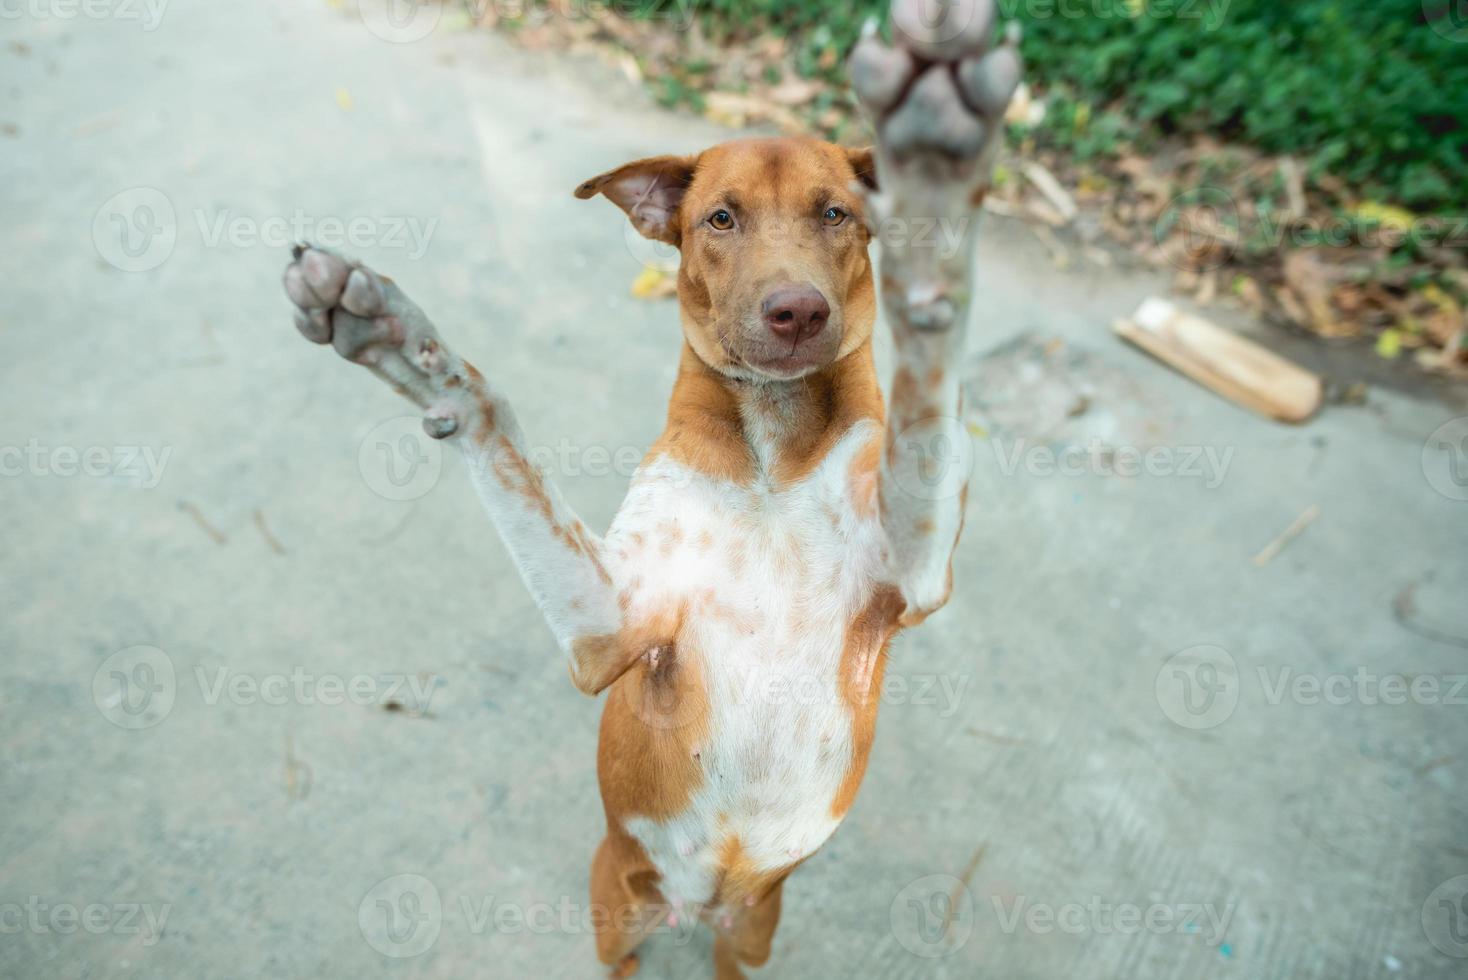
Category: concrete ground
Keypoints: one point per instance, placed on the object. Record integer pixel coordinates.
(275, 704)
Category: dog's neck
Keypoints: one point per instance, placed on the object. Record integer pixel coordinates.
(775, 431)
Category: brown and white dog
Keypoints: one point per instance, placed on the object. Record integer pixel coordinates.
(783, 528)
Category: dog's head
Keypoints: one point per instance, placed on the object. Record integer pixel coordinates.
(776, 280)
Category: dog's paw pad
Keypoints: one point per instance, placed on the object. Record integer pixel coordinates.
(988, 83)
(363, 294)
(939, 92)
(314, 325)
(880, 74)
(934, 118)
(362, 339)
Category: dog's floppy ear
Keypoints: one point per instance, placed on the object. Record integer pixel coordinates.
(864, 162)
(650, 191)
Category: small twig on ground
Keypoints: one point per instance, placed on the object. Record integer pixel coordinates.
(1289, 534)
(963, 883)
(264, 529)
(297, 774)
(193, 511)
(1404, 611)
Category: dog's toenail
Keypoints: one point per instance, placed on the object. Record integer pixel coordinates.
(440, 427)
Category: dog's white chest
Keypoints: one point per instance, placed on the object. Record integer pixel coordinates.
(766, 585)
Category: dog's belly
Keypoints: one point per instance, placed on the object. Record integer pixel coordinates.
(765, 591)
(776, 748)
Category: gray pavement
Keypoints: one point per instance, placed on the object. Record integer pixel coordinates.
(230, 588)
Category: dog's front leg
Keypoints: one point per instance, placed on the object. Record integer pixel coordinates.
(369, 321)
(937, 97)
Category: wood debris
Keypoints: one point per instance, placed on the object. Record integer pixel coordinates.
(1231, 365)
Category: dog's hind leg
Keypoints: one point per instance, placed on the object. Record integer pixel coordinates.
(625, 896)
(937, 97)
(369, 321)
(748, 937)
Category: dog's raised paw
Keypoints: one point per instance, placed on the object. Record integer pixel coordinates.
(368, 321)
(942, 87)
(937, 96)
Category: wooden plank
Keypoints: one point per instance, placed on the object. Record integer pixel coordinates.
(1234, 367)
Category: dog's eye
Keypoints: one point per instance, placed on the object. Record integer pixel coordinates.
(835, 216)
(721, 221)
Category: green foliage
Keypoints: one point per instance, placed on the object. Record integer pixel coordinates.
(1367, 90)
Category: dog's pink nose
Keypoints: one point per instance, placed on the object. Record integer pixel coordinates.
(796, 313)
